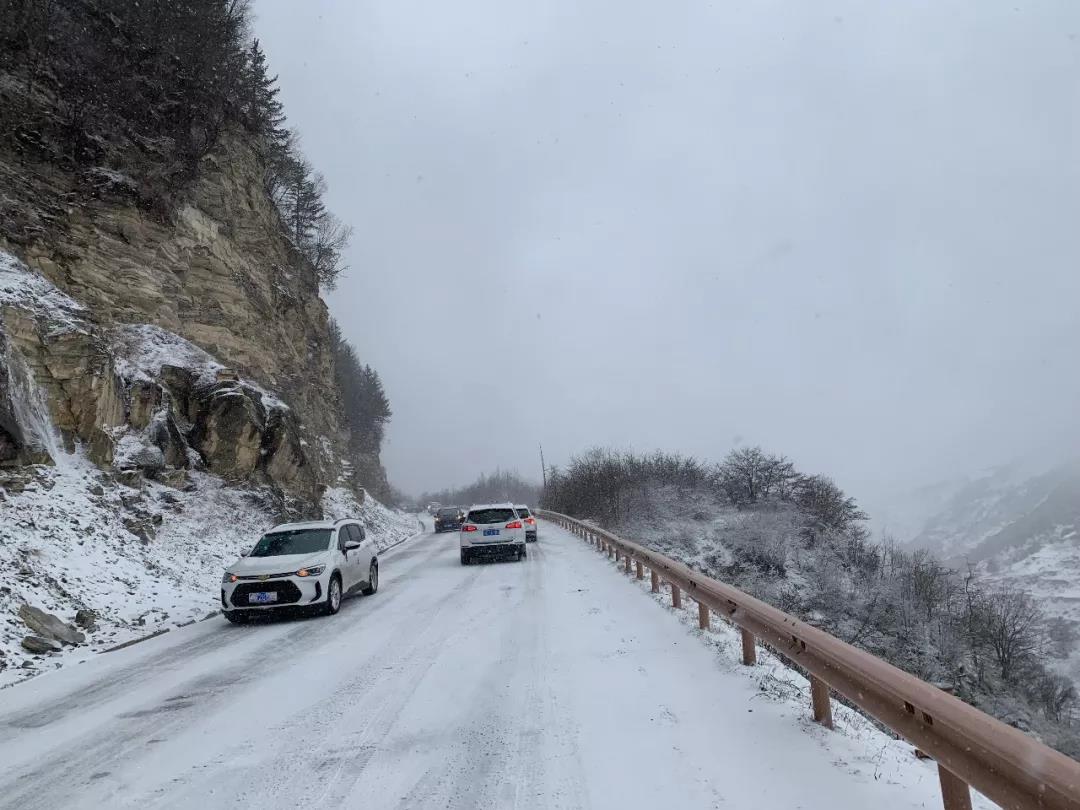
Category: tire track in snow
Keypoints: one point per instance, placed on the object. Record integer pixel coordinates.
(324, 749)
(501, 756)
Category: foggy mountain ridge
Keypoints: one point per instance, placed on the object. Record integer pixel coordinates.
(1002, 512)
(1021, 529)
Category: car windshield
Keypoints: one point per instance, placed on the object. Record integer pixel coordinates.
(300, 541)
(493, 515)
(448, 513)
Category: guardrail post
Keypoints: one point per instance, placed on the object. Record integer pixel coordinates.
(626, 563)
(955, 793)
(613, 551)
(676, 596)
(655, 581)
(616, 554)
(819, 695)
(749, 648)
(639, 570)
(702, 616)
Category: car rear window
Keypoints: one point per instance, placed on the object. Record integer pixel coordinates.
(491, 515)
(445, 513)
(523, 511)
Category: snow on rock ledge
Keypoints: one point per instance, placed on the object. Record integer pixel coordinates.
(140, 398)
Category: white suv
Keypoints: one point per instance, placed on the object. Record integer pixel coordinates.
(527, 518)
(491, 529)
(309, 565)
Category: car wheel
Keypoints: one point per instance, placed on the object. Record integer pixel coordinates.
(372, 579)
(333, 596)
(235, 616)
(465, 559)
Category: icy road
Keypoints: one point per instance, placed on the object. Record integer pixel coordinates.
(552, 683)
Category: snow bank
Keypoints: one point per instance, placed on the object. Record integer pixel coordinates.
(857, 744)
(387, 526)
(66, 543)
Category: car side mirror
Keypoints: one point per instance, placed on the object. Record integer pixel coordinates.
(351, 545)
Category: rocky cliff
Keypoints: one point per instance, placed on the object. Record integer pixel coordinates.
(168, 386)
(158, 337)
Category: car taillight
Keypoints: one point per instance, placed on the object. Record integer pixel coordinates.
(530, 521)
(468, 527)
(515, 525)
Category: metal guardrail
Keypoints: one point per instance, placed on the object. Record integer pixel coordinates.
(971, 747)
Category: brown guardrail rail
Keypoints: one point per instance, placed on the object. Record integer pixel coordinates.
(971, 747)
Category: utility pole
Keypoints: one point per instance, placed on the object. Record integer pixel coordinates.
(543, 469)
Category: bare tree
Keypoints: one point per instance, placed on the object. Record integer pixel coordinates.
(750, 474)
(1012, 628)
(330, 240)
(825, 504)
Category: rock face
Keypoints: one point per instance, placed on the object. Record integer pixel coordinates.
(215, 270)
(145, 401)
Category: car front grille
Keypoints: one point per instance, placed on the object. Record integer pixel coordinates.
(288, 593)
(263, 577)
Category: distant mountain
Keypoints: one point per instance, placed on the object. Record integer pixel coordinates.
(1007, 508)
(1022, 528)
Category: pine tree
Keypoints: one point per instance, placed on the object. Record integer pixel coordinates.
(265, 113)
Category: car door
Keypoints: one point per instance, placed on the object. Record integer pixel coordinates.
(353, 556)
(367, 549)
(347, 564)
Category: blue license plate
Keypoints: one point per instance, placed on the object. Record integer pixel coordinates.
(490, 532)
(263, 597)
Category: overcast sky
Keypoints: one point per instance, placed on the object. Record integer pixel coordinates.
(846, 231)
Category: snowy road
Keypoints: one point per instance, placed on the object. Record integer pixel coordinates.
(552, 683)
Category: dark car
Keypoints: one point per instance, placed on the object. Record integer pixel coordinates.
(448, 519)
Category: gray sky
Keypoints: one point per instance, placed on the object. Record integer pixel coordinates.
(846, 231)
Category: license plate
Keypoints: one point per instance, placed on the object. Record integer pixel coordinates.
(262, 597)
(490, 532)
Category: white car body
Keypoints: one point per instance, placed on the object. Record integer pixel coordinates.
(265, 583)
(491, 529)
(529, 519)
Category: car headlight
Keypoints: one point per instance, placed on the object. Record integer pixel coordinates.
(313, 571)
(228, 578)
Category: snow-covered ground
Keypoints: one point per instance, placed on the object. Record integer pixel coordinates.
(65, 546)
(552, 683)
